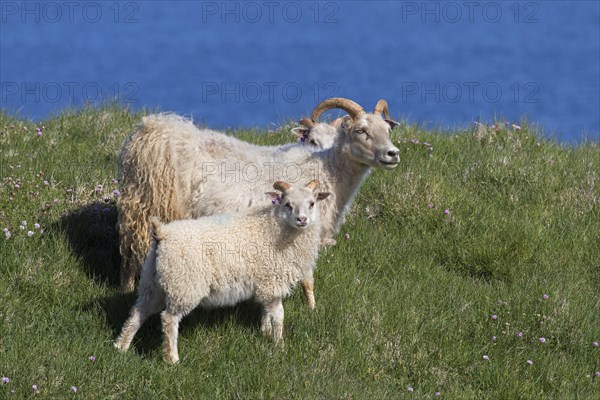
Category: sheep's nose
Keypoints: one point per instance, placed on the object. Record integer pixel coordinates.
(393, 152)
(301, 220)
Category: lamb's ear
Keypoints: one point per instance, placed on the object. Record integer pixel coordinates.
(273, 196)
(322, 195)
(301, 132)
(392, 123)
(347, 123)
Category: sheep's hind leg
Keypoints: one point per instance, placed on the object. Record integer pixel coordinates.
(128, 275)
(309, 291)
(170, 324)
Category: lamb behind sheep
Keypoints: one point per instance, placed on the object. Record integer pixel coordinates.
(224, 259)
(320, 135)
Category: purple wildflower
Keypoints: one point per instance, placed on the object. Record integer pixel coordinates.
(55, 201)
(597, 374)
(116, 192)
(46, 183)
(542, 340)
(446, 212)
(430, 205)
(494, 338)
(39, 131)
(519, 334)
(595, 344)
(92, 358)
(74, 389)
(7, 234)
(529, 362)
(36, 225)
(494, 317)
(29, 233)
(437, 394)
(34, 387)
(545, 297)
(516, 127)
(5, 379)
(410, 389)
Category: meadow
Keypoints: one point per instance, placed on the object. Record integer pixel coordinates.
(470, 271)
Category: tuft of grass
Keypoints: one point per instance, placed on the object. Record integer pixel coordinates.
(472, 224)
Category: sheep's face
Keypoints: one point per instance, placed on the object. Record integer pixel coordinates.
(321, 136)
(297, 206)
(367, 141)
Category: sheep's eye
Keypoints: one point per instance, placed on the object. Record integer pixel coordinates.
(312, 141)
(288, 206)
(312, 204)
(360, 131)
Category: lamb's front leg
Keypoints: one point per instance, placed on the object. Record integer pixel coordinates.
(272, 320)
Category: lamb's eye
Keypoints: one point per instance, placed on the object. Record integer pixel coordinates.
(288, 206)
(312, 204)
(312, 141)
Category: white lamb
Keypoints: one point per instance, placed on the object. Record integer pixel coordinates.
(224, 259)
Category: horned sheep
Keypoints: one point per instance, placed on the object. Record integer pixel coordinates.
(264, 254)
(171, 169)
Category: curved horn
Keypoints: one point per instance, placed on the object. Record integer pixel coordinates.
(347, 105)
(312, 185)
(382, 107)
(281, 186)
(307, 122)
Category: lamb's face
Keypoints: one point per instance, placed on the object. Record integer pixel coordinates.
(367, 140)
(297, 206)
(321, 136)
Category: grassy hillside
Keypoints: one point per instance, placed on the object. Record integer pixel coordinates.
(458, 262)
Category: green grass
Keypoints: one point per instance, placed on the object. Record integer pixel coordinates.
(406, 301)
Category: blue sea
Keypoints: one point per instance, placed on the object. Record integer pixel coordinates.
(230, 64)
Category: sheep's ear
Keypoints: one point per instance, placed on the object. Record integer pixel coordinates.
(301, 132)
(322, 195)
(392, 123)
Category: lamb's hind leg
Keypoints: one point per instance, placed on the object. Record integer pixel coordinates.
(170, 324)
(142, 309)
(147, 304)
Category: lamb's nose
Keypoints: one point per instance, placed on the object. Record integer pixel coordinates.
(393, 152)
(302, 220)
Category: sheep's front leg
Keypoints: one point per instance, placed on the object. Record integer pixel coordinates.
(309, 291)
(170, 324)
(272, 320)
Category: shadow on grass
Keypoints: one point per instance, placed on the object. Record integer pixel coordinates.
(149, 337)
(92, 237)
